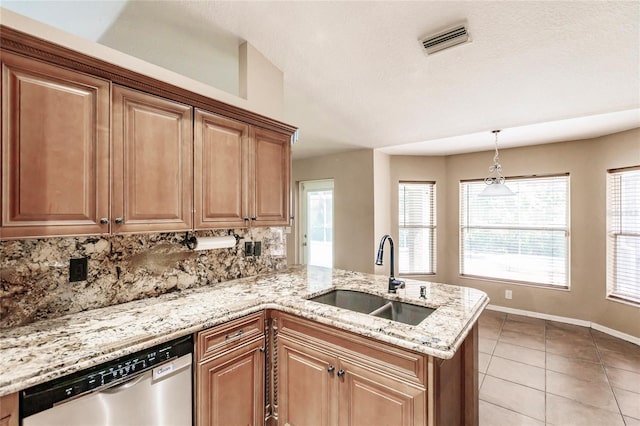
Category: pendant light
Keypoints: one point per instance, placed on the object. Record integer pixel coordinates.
(495, 184)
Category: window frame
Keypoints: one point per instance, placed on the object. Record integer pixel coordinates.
(567, 230)
(611, 238)
(432, 261)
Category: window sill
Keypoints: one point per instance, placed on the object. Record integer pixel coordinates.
(620, 299)
(520, 283)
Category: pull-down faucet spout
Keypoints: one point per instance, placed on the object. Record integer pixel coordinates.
(394, 284)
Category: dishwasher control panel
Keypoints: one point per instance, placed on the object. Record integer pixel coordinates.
(46, 395)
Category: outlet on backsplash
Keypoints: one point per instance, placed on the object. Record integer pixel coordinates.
(508, 294)
(78, 269)
(252, 248)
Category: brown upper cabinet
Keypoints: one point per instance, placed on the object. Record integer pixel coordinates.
(152, 163)
(84, 155)
(221, 156)
(270, 180)
(241, 174)
(55, 150)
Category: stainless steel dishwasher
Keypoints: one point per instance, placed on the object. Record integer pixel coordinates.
(148, 388)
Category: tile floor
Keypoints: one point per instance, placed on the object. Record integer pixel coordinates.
(537, 372)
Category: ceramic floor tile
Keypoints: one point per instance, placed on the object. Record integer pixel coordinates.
(566, 412)
(526, 340)
(523, 318)
(596, 394)
(517, 372)
(573, 350)
(483, 362)
(623, 379)
(494, 415)
(629, 402)
(515, 397)
(561, 335)
(533, 329)
(629, 421)
(610, 343)
(486, 345)
(584, 370)
(489, 332)
(520, 353)
(622, 360)
(569, 328)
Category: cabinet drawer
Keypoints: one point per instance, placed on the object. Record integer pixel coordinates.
(230, 334)
(386, 358)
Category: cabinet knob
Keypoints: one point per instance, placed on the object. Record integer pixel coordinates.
(254, 218)
(119, 220)
(104, 221)
(262, 349)
(331, 369)
(341, 372)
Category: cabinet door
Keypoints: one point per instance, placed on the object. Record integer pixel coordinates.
(306, 385)
(368, 397)
(55, 150)
(231, 387)
(220, 170)
(271, 185)
(152, 163)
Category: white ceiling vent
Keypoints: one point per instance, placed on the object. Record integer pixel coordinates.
(445, 39)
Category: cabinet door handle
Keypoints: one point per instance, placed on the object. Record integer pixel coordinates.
(341, 372)
(262, 349)
(331, 369)
(104, 221)
(254, 218)
(119, 220)
(236, 334)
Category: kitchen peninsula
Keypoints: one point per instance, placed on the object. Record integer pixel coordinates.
(49, 349)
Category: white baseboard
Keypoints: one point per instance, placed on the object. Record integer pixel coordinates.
(566, 320)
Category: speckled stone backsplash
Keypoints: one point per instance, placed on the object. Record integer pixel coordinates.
(35, 273)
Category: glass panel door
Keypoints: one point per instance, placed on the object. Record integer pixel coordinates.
(317, 222)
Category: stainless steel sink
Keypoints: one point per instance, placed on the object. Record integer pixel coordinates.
(351, 300)
(375, 305)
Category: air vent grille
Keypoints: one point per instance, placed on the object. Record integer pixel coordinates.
(445, 39)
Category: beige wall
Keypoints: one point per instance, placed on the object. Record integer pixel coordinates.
(353, 201)
(587, 163)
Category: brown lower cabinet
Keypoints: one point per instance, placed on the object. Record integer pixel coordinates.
(230, 373)
(9, 410)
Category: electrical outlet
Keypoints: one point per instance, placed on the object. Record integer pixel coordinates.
(78, 269)
(508, 294)
(248, 248)
(257, 248)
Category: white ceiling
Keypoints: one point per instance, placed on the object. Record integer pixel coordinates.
(355, 75)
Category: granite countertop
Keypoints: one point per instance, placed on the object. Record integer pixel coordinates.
(49, 349)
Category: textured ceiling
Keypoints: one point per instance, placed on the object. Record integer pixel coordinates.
(355, 75)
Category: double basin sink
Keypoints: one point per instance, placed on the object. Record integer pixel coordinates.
(375, 305)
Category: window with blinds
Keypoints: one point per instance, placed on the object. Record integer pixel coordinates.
(623, 234)
(521, 238)
(417, 227)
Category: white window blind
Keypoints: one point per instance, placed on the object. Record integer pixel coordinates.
(521, 238)
(417, 227)
(623, 230)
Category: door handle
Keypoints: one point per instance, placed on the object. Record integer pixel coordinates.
(341, 372)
